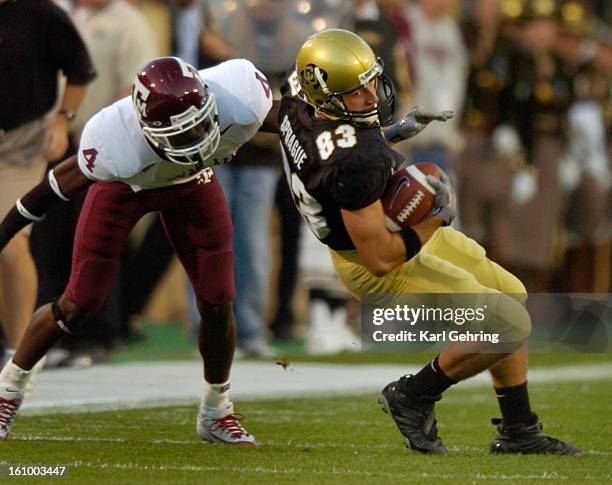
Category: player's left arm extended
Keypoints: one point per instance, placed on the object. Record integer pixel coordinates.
(269, 125)
(60, 184)
(413, 123)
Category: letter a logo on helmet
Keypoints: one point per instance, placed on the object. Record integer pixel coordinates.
(176, 110)
(139, 96)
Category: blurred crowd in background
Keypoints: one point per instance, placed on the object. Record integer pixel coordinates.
(528, 149)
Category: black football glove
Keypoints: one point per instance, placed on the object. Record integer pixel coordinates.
(444, 205)
(413, 123)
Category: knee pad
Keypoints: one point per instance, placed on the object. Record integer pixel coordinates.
(68, 325)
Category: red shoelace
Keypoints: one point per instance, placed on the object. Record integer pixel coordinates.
(8, 409)
(230, 424)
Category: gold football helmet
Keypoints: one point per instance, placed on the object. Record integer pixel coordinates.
(335, 62)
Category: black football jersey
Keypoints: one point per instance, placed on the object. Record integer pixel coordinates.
(330, 165)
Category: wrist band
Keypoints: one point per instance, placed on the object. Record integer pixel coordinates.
(411, 241)
(446, 214)
(26, 213)
(55, 186)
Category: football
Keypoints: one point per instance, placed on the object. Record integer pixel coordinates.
(408, 198)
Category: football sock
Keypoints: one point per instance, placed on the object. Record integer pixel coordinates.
(216, 396)
(514, 405)
(14, 376)
(429, 381)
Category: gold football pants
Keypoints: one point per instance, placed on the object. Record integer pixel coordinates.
(449, 263)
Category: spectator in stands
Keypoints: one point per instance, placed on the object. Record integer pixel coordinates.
(370, 21)
(38, 42)
(541, 96)
(484, 199)
(585, 170)
(439, 69)
(196, 36)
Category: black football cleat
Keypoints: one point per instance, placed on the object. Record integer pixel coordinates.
(528, 439)
(414, 416)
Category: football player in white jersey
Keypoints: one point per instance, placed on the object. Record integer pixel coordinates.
(152, 152)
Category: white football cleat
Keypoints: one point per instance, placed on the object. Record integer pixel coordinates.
(226, 430)
(10, 400)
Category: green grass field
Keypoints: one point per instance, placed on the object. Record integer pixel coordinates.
(169, 342)
(319, 440)
(331, 440)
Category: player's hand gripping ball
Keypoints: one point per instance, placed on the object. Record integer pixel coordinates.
(409, 197)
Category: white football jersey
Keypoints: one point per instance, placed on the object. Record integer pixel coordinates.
(114, 149)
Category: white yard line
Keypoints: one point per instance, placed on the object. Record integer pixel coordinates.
(147, 384)
(300, 445)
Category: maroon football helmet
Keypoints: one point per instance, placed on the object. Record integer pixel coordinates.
(176, 110)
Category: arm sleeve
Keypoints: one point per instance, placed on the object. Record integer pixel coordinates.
(66, 48)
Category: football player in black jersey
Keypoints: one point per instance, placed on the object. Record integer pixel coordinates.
(332, 121)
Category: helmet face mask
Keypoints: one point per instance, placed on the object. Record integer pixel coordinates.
(191, 137)
(177, 111)
(386, 99)
(337, 62)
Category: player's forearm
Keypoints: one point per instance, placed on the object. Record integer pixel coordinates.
(70, 178)
(402, 246)
(427, 227)
(380, 250)
(384, 255)
(59, 185)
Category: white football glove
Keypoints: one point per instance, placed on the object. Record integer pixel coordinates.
(445, 205)
(413, 123)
